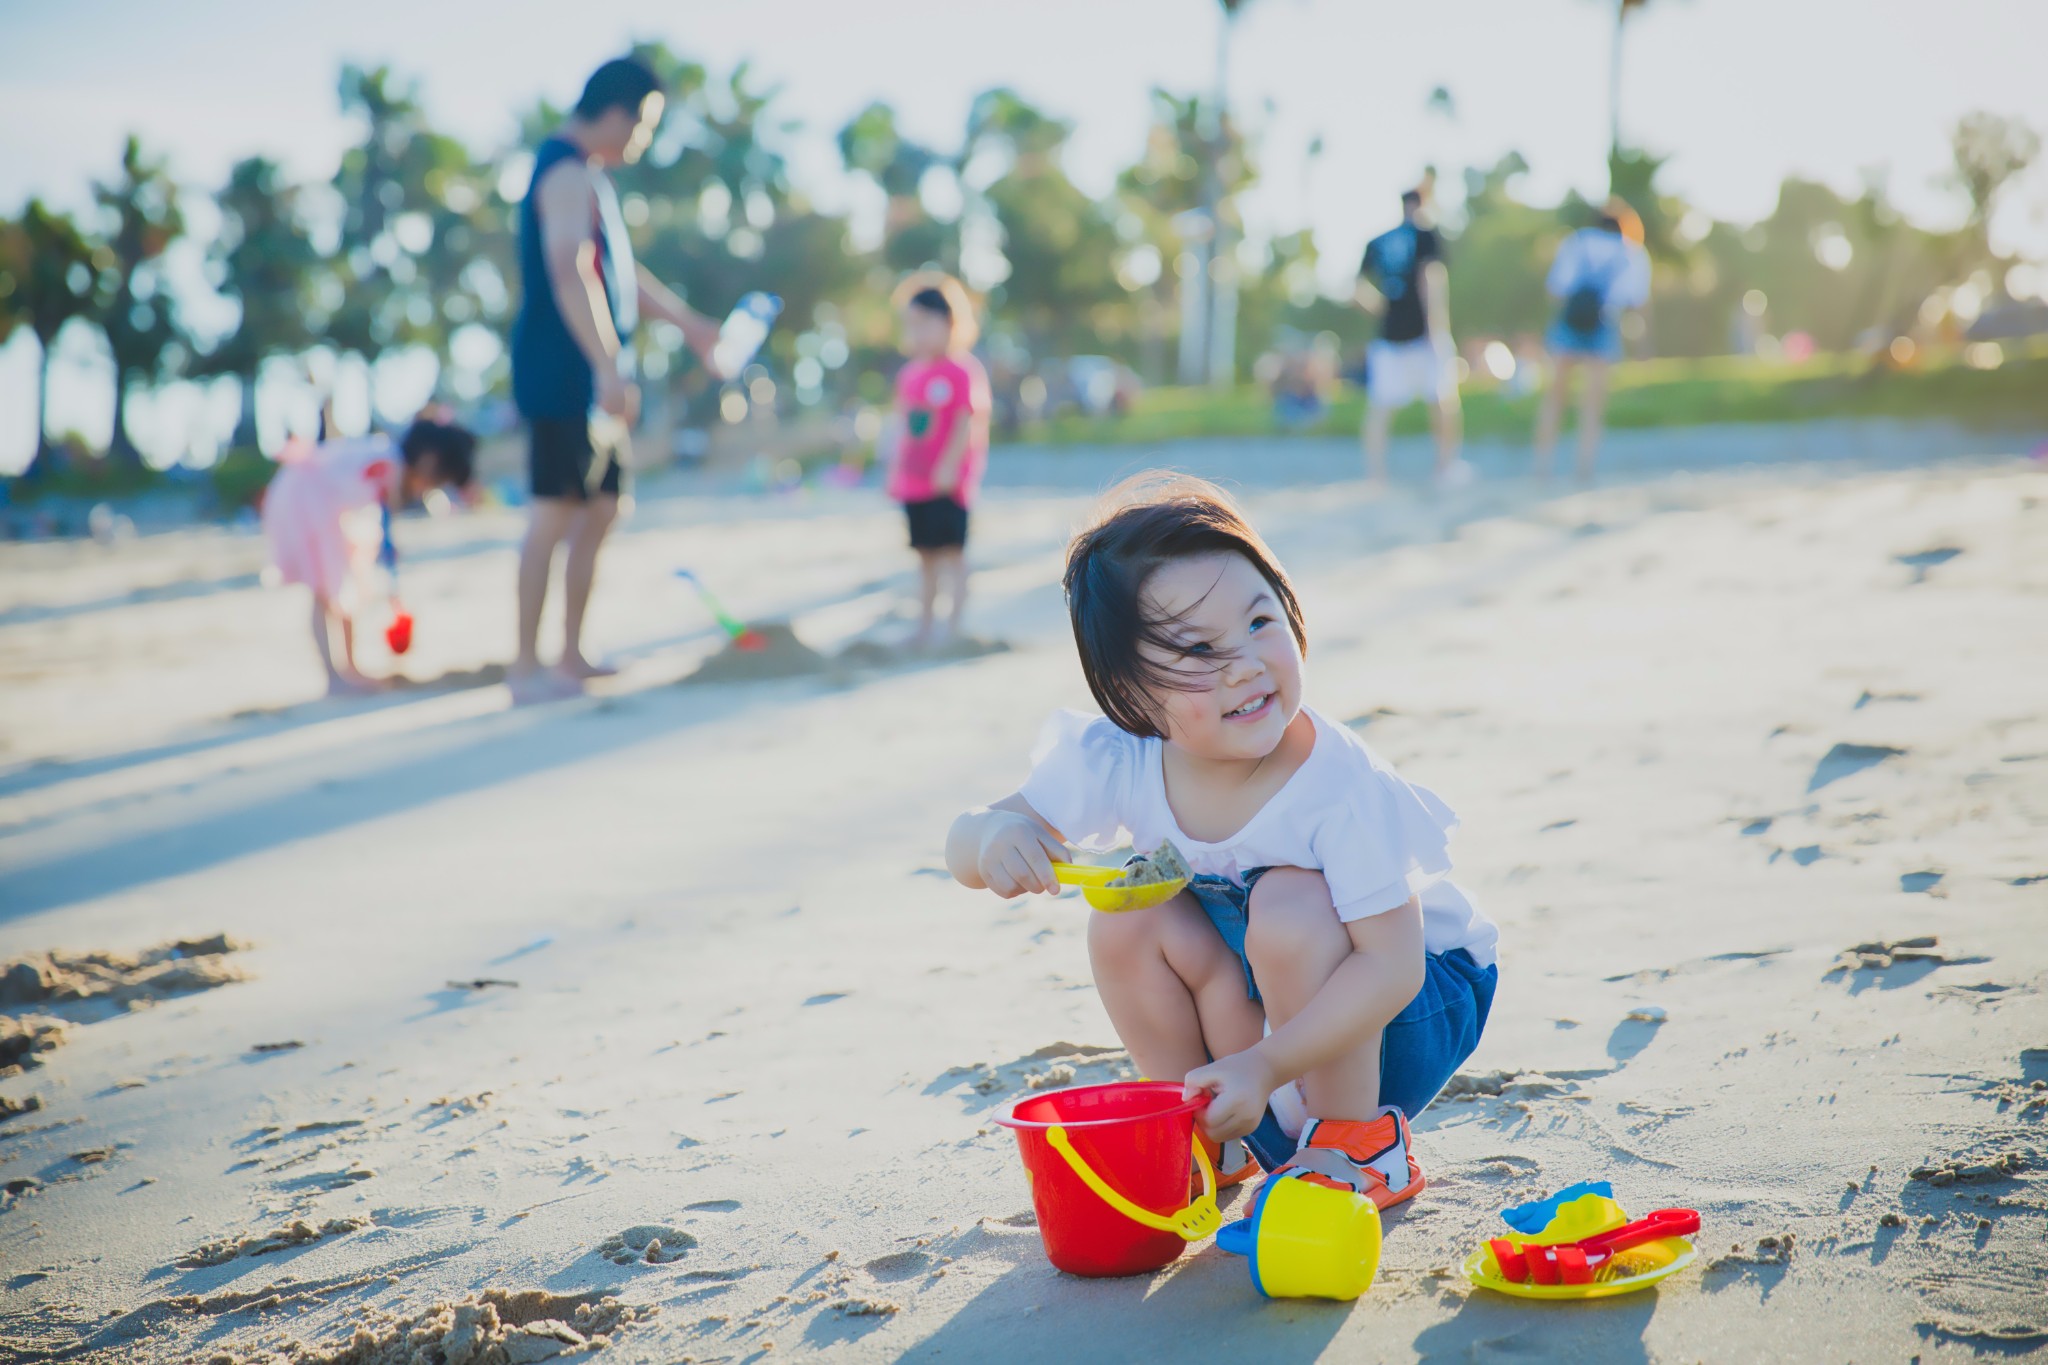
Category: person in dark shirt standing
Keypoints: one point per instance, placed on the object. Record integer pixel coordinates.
(1404, 281)
(572, 364)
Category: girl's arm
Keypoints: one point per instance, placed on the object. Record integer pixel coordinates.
(1361, 997)
(1007, 848)
(1370, 987)
(970, 430)
(946, 473)
(889, 445)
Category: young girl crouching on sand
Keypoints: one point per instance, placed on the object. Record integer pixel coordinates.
(1320, 961)
(313, 519)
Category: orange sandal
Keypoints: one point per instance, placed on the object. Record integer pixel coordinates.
(1364, 1156)
(1233, 1161)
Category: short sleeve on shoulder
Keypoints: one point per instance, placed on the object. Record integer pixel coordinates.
(1082, 769)
(1387, 843)
(1429, 245)
(980, 398)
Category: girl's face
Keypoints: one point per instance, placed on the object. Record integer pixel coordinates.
(1241, 667)
(926, 334)
(421, 475)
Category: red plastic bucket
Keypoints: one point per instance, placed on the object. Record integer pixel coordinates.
(1110, 1169)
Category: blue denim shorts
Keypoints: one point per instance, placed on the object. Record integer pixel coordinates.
(1424, 1045)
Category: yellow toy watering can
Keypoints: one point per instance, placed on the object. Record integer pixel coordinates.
(1305, 1241)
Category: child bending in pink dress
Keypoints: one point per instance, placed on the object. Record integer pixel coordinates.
(937, 441)
(316, 518)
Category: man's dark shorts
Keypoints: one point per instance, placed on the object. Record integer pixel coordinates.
(578, 459)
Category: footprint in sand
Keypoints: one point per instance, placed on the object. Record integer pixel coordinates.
(646, 1244)
(1634, 1033)
(1868, 697)
(1961, 1170)
(1806, 855)
(713, 1206)
(1901, 962)
(898, 1265)
(1048, 1068)
(1922, 560)
(1844, 760)
(1920, 882)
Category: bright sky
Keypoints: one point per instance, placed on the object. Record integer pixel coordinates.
(1739, 92)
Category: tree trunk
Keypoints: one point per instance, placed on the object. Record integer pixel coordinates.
(121, 450)
(1614, 89)
(43, 464)
(245, 437)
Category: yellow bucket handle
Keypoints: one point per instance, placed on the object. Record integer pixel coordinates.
(1199, 1219)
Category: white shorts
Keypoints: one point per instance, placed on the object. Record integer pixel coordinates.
(1398, 373)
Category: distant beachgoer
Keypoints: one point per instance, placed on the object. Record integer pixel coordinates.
(936, 443)
(1404, 280)
(318, 521)
(1600, 274)
(572, 365)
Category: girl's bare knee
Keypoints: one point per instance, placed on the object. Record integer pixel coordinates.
(1120, 940)
(1293, 922)
(1177, 933)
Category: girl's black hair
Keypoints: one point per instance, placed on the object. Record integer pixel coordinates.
(452, 445)
(932, 301)
(622, 83)
(1149, 521)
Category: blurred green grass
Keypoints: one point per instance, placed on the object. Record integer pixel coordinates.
(1645, 393)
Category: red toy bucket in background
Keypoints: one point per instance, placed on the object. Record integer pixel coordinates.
(1110, 1168)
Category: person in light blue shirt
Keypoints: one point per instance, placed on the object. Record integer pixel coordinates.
(1600, 275)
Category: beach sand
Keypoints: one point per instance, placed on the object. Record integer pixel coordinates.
(650, 1020)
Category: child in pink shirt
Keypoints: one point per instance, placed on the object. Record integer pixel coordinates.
(937, 441)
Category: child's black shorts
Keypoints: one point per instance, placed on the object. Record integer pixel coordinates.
(936, 524)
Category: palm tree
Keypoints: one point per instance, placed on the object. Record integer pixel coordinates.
(1210, 354)
(1990, 153)
(48, 276)
(267, 262)
(1621, 13)
(143, 218)
(872, 144)
(372, 267)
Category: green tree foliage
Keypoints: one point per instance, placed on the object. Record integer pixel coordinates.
(1062, 292)
(1990, 153)
(417, 214)
(49, 274)
(265, 260)
(872, 145)
(424, 244)
(141, 219)
(1499, 260)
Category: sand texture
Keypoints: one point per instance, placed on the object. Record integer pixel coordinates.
(646, 1026)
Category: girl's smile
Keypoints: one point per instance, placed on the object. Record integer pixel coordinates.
(1252, 709)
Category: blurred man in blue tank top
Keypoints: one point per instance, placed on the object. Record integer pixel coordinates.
(572, 364)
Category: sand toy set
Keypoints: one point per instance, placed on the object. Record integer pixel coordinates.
(1111, 1167)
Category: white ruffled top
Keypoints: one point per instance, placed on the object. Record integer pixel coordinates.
(1377, 839)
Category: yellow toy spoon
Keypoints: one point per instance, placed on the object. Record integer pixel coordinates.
(1145, 881)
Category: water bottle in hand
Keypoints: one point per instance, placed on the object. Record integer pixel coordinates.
(743, 331)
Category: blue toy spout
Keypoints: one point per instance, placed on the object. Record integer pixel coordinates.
(1237, 1238)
